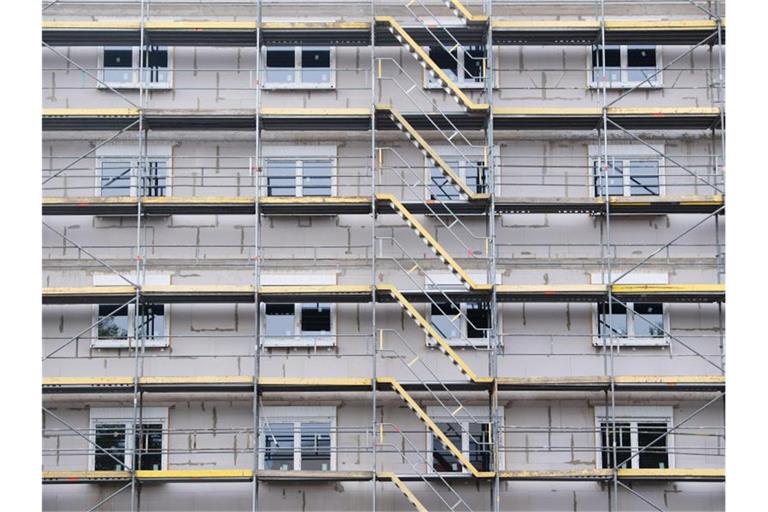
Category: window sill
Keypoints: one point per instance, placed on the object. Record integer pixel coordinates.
(626, 85)
(299, 87)
(661, 342)
(134, 86)
(125, 344)
(461, 85)
(298, 342)
(462, 343)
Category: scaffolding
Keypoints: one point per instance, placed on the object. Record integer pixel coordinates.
(467, 215)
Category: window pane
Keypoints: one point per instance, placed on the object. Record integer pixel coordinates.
(480, 445)
(316, 446)
(612, 64)
(440, 188)
(447, 61)
(478, 320)
(281, 178)
(118, 65)
(474, 60)
(156, 64)
(476, 177)
(651, 324)
(116, 177)
(615, 178)
(281, 65)
(153, 178)
(149, 444)
(280, 320)
(278, 445)
(641, 63)
(442, 314)
(443, 459)
(644, 177)
(623, 438)
(655, 456)
(116, 326)
(316, 178)
(316, 318)
(315, 66)
(152, 321)
(110, 439)
(616, 322)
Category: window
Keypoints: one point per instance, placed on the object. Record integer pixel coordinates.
(121, 67)
(117, 176)
(469, 433)
(632, 171)
(116, 328)
(637, 323)
(300, 67)
(113, 433)
(472, 173)
(291, 325)
(299, 177)
(636, 428)
(464, 65)
(298, 438)
(115, 323)
(465, 324)
(626, 66)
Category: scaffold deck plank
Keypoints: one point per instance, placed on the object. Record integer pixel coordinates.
(349, 205)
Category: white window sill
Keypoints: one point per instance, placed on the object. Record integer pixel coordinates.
(662, 341)
(299, 87)
(626, 85)
(134, 85)
(299, 342)
(159, 343)
(460, 85)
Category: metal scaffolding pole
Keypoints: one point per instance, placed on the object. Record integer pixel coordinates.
(256, 169)
(374, 352)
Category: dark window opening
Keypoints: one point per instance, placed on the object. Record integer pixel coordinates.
(118, 58)
(149, 446)
(474, 63)
(443, 459)
(110, 440)
(612, 64)
(156, 59)
(478, 320)
(622, 435)
(476, 178)
(480, 445)
(116, 326)
(445, 60)
(440, 188)
(655, 454)
(316, 318)
(316, 178)
(153, 180)
(315, 66)
(151, 320)
(644, 177)
(651, 323)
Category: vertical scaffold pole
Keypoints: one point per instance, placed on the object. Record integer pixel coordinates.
(374, 352)
(256, 171)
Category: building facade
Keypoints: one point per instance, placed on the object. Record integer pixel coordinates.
(383, 255)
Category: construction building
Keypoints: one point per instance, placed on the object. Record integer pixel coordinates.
(383, 255)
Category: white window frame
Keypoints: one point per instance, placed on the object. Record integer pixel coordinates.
(155, 152)
(162, 340)
(626, 153)
(297, 415)
(462, 82)
(298, 340)
(635, 414)
(124, 415)
(450, 153)
(135, 59)
(297, 84)
(440, 415)
(630, 340)
(657, 82)
(447, 281)
(302, 153)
